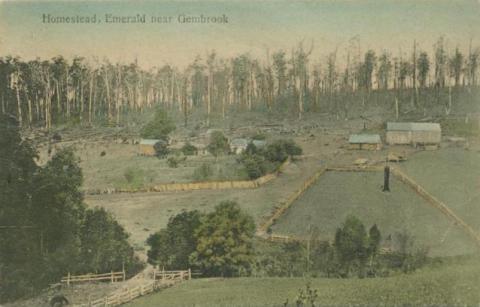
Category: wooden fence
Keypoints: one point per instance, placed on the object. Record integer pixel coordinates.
(112, 276)
(367, 168)
(162, 279)
(290, 200)
(433, 201)
(203, 185)
(172, 275)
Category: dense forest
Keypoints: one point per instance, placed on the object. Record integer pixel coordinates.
(42, 93)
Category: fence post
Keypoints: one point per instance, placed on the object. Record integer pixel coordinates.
(123, 270)
(163, 273)
(68, 279)
(154, 274)
(112, 276)
(189, 273)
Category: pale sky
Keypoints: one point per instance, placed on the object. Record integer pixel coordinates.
(253, 26)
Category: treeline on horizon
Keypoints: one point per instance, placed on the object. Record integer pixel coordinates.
(43, 93)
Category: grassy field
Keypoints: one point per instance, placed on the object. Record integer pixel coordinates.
(446, 285)
(109, 170)
(144, 213)
(453, 176)
(338, 194)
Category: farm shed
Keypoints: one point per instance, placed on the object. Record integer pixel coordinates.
(201, 148)
(147, 146)
(238, 146)
(259, 143)
(413, 133)
(365, 141)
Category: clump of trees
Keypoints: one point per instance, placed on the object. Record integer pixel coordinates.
(219, 243)
(354, 252)
(260, 161)
(159, 127)
(218, 144)
(45, 228)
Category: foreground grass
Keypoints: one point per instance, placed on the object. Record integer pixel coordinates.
(454, 284)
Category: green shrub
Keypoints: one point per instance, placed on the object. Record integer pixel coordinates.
(175, 161)
(189, 150)
(255, 165)
(134, 177)
(279, 150)
(161, 149)
(129, 175)
(159, 127)
(218, 144)
(203, 172)
(172, 162)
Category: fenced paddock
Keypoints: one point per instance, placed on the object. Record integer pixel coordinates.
(194, 186)
(324, 201)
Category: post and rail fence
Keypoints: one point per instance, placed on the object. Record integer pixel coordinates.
(112, 276)
(161, 279)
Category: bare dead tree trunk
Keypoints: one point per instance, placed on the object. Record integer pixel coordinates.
(19, 106)
(3, 103)
(90, 92)
(117, 102)
(414, 74)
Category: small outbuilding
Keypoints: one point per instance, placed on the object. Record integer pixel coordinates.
(147, 146)
(365, 141)
(237, 146)
(259, 143)
(413, 133)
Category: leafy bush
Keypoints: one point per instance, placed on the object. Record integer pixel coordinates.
(189, 150)
(218, 144)
(279, 150)
(159, 127)
(305, 297)
(172, 162)
(203, 172)
(175, 161)
(255, 165)
(129, 175)
(134, 177)
(161, 149)
(259, 161)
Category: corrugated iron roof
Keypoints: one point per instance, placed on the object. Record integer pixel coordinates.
(413, 127)
(150, 141)
(426, 127)
(259, 143)
(364, 139)
(239, 142)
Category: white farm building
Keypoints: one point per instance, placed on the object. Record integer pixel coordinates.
(413, 133)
